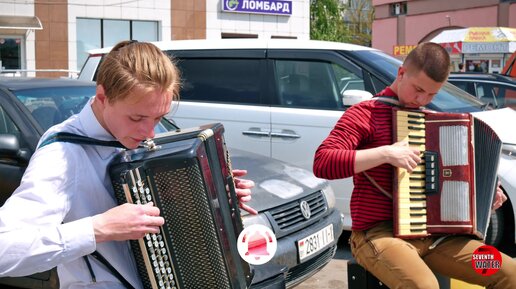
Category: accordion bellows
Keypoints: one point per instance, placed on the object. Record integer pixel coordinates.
(187, 175)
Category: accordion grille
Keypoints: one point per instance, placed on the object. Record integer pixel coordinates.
(191, 228)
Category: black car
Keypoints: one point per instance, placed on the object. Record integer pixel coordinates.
(29, 106)
(493, 89)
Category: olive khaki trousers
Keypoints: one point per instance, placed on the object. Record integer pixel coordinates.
(410, 263)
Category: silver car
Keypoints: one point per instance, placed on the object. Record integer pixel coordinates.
(281, 98)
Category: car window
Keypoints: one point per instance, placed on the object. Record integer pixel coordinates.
(469, 87)
(484, 92)
(378, 85)
(491, 94)
(221, 80)
(7, 126)
(165, 125)
(347, 79)
(52, 105)
(453, 99)
(311, 84)
(495, 94)
(90, 68)
(507, 96)
(501, 95)
(378, 61)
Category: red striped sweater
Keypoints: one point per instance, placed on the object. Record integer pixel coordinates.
(365, 125)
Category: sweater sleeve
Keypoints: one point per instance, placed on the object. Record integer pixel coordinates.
(335, 157)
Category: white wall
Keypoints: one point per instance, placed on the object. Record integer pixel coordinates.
(217, 22)
(265, 26)
(155, 10)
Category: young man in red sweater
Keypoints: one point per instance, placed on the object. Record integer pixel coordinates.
(362, 141)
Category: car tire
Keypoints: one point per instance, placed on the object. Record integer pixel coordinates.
(494, 233)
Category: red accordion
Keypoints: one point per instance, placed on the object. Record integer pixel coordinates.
(452, 189)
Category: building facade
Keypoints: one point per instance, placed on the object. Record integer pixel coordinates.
(53, 36)
(400, 25)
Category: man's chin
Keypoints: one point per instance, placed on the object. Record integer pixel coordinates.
(131, 144)
(412, 106)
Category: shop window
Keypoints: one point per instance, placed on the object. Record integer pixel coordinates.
(10, 53)
(481, 66)
(97, 33)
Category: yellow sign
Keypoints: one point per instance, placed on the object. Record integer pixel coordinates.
(402, 49)
(490, 34)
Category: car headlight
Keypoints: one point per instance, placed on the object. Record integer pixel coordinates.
(330, 196)
(259, 219)
(509, 150)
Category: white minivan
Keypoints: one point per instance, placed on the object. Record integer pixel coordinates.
(281, 98)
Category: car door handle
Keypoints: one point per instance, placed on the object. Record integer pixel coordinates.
(256, 133)
(286, 135)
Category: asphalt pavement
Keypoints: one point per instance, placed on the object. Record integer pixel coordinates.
(335, 274)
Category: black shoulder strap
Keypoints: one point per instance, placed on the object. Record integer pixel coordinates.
(387, 100)
(393, 102)
(103, 260)
(78, 139)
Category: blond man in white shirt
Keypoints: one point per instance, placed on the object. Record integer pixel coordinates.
(64, 208)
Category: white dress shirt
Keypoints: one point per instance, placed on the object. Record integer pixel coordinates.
(47, 222)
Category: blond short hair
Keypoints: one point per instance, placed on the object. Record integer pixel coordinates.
(133, 64)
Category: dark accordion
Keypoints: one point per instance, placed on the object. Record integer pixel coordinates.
(187, 175)
(452, 189)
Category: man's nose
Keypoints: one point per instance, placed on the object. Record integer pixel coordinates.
(422, 98)
(147, 129)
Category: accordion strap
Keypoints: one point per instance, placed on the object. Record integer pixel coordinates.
(387, 100)
(377, 185)
(105, 262)
(78, 139)
(392, 102)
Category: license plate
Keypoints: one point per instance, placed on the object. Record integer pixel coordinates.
(315, 242)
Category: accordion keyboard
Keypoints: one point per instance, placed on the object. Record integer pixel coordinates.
(158, 260)
(411, 193)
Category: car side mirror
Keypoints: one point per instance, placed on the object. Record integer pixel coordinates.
(10, 148)
(354, 96)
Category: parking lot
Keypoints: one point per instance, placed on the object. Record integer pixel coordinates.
(334, 275)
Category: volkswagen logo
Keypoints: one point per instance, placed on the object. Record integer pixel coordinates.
(305, 209)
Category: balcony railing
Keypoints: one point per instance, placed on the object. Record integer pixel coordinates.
(39, 73)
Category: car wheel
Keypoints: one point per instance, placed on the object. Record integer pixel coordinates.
(495, 231)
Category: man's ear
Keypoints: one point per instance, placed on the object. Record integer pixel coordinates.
(401, 71)
(100, 94)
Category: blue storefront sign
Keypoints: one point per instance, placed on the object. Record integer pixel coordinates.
(276, 7)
